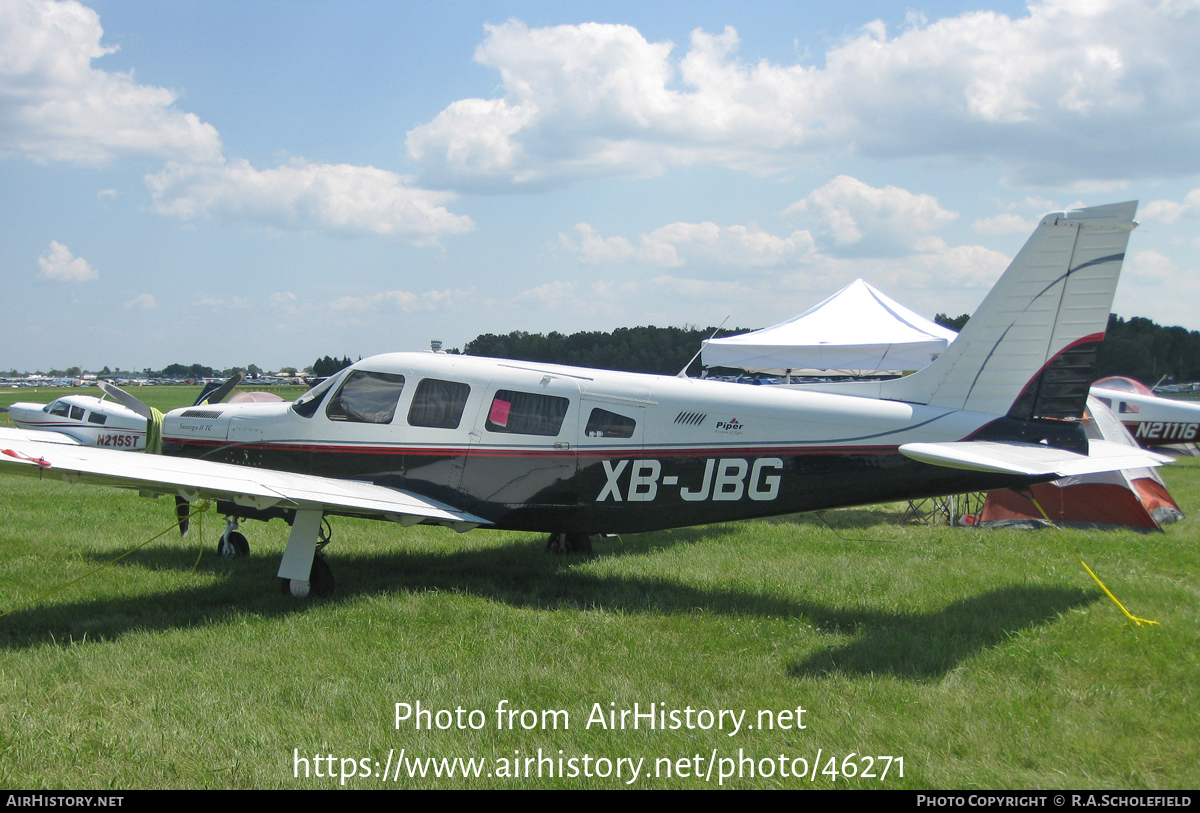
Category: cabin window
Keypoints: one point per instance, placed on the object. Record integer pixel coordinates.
(366, 397)
(526, 413)
(76, 413)
(1129, 409)
(438, 404)
(97, 417)
(605, 424)
(60, 408)
(1106, 401)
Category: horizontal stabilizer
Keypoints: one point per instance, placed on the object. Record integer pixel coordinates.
(1032, 459)
(205, 479)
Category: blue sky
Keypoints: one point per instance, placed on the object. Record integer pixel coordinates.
(270, 182)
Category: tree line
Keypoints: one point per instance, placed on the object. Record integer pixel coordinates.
(648, 349)
(1136, 348)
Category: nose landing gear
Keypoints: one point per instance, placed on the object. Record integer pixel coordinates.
(233, 543)
(563, 543)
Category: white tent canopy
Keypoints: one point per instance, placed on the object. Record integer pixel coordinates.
(857, 329)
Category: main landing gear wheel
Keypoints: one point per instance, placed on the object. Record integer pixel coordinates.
(320, 581)
(562, 543)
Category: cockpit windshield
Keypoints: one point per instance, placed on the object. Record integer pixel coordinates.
(1123, 384)
(306, 405)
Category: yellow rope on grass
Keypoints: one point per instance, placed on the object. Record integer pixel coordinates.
(1107, 592)
(197, 512)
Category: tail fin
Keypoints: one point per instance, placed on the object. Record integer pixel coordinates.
(1029, 350)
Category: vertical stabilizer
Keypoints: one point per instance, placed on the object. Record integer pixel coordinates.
(1029, 349)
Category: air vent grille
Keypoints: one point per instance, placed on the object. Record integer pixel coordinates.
(201, 413)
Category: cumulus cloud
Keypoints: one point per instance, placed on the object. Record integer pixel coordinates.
(677, 244)
(883, 235)
(54, 106)
(861, 219)
(1149, 267)
(964, 267)
(595, 99)
(879, 234)
(1007, 223)
(1168, 211)
(592, 248)
(340, 198)
(405, 301)
(58, 264)
(228, 303)
(597, 304)
(723, 291)
(143, 302)
(557, 294)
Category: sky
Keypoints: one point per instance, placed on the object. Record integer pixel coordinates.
(232, 183)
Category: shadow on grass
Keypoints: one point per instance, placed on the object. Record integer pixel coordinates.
(855, 518)
(921, 646)
(520, 574)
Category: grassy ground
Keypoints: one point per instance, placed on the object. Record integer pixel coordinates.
(983, 659)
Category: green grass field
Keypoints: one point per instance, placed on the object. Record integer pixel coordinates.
(979, 659)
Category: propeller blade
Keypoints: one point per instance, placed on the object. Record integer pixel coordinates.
(214, 394)
(125, 399)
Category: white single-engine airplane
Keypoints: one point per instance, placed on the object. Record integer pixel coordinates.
(1151, 419)
(469, 442)
(86, 420)
(90, 421)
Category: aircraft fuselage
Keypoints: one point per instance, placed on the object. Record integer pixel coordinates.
(1152, 419)
(542, 447)
(88, 420)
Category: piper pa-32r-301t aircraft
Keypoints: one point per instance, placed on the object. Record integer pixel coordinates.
(476, 442)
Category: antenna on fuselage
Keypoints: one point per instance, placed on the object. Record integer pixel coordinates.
(683, 373)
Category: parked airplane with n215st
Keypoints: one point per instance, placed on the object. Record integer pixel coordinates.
(90, 421)
(87, 420)
(476, 442)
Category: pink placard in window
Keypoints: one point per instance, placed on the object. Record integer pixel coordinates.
(499, 413)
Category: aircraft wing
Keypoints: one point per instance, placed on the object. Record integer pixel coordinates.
(38, 436)
(1032, 459)
(47, 458)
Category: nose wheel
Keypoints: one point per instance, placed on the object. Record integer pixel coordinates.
(233, 543)
(561, 543)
